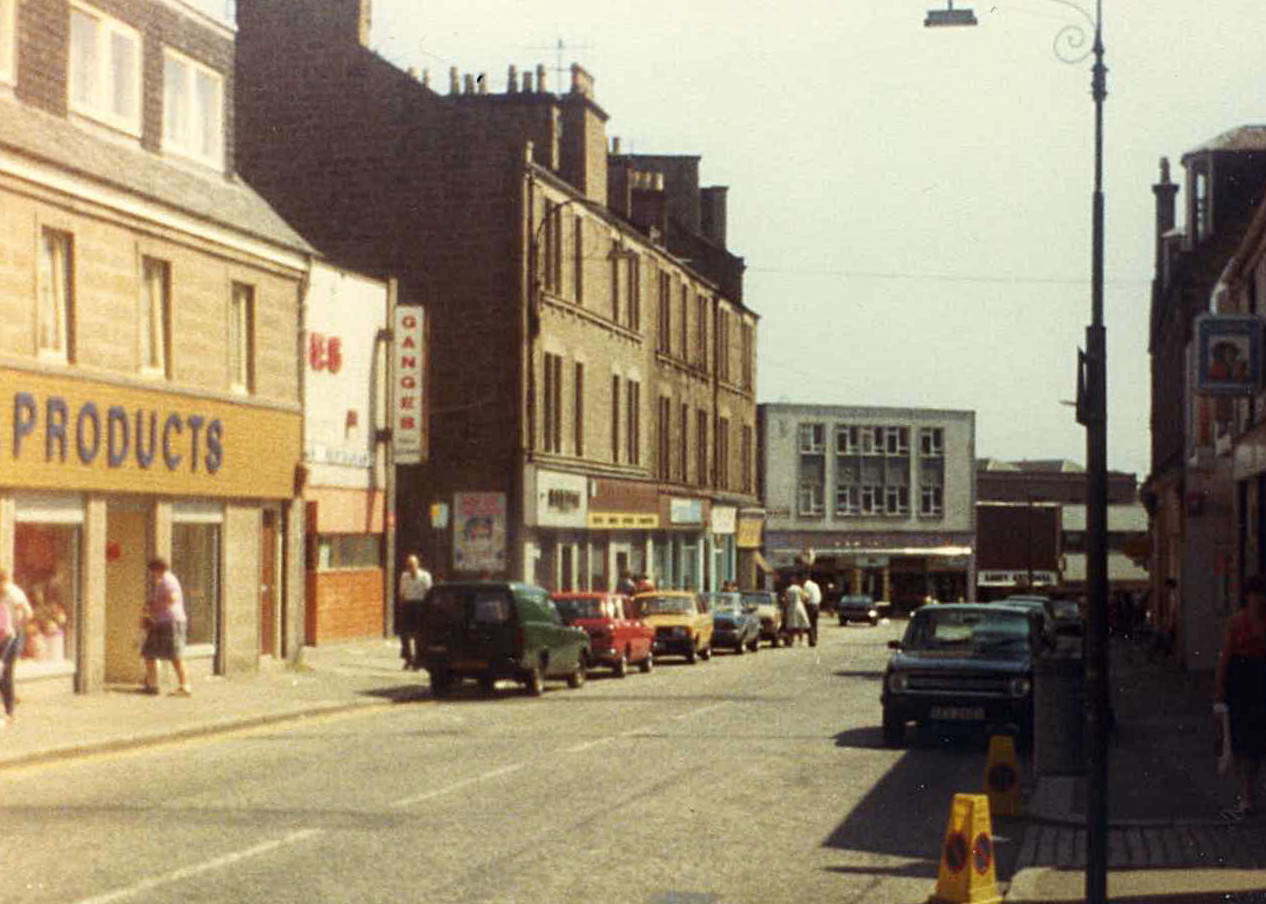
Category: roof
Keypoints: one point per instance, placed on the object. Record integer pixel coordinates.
(1050, 465)
(208, 195)
(1241, 138)
(994, 464)
(1120, 518)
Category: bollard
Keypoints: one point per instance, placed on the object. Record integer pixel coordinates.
(966, 874)
(1002, 777)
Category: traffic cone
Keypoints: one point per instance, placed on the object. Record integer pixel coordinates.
(966, 875)
(1002, 777)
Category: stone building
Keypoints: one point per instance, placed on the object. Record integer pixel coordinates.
(590, 374)
(876, 500)
(149, 320)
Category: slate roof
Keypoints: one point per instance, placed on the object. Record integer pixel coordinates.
(1241, 138)
(210, 196)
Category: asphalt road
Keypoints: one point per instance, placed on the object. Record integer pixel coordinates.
(758, 778)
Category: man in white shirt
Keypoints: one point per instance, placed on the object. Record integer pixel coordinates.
(812, 604)
(415, 581)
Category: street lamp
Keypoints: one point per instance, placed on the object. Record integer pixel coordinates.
(1092, 413)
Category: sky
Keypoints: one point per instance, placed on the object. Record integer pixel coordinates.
(913, 205)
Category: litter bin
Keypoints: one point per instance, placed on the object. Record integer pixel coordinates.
(1059, 715)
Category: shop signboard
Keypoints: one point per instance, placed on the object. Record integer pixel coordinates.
(1228, 354)
(622, 521)
(408, 368)
(686, 511)
(558, 500)
(479, 532)
(724, 519)
(1017, 579)
(750, 527)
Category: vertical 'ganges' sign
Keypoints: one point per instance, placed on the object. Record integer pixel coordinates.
(408, 372)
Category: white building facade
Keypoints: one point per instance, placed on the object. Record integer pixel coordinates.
(875, 500)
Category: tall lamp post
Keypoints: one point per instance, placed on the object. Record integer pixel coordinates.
(1092, 413)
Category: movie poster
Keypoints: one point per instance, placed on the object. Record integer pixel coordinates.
(479, 532)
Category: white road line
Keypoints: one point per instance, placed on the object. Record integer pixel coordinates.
(186, 872)
(701, 710)
(418, 798)
(586, 745)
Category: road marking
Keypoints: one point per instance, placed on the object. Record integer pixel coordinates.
(189, 871)
(586, 745)
(456, 786)
(701, 710)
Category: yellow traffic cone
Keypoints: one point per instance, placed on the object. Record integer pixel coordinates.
(966, 875)
(1002, 777)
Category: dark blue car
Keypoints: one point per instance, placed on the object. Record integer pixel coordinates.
(734, 623)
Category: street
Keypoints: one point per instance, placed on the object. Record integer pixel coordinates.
(753, 778)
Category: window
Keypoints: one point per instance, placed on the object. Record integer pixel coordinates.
(349, 551)
(47, 565)
(633, 309)
(663, 423)
(615, 418)
(812, 438)
(723, 345)
(932, 442)
(578, 258)
(683, 450)
(872, 499)
(810, 498)
(8, 40)
(193, 109)
(749, 377)
(105, 70)
(1200, 205)
(242, 338)
(723, 453)
(56, 294)
(195, 558)
(701, 327)
(155, 315)
(846, 440)
(896, 441)
(701, 450)
(896, 500)
(616, 254)
(634, 432)
(848, 501)
(578, 410)
(685, 314)
(665, 343)
(746, 464)
(931, 500)
(552, 396)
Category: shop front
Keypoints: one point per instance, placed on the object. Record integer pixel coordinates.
(99, 478)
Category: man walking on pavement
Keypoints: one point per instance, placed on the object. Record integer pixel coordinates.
(415, 581)
(812, 605)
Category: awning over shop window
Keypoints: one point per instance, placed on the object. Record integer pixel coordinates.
(763, 564)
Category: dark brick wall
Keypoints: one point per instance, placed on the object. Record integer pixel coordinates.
(44, 51)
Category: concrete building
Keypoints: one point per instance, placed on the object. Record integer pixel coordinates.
(591, 370)
(149, 320)
(1190, 492)
(879, 500)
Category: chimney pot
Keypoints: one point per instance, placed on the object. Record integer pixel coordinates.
(468, 83)
(426, 78)
(481, 81)
(615, 145)
(454, 86)
(540, 78)
(413, 71)
(527, 83)
(512, 80)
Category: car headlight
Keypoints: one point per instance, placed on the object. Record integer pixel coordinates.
(873, 613)
(898, 682)
(1020, 687)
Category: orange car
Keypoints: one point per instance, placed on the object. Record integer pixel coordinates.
(681, 621)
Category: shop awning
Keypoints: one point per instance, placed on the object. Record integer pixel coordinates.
(763, 564)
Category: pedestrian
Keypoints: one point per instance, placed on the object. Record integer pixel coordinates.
(15, 609)
(415, 581)
(166, 627)
(812, 605)
(1240, 686)
(626, 585)
(643, 584)
(796, 620)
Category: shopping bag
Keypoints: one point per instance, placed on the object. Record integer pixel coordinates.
(1222, 737)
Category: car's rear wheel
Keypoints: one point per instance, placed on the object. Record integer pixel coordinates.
(691, 655)
(648, 663)
(621, 666)
(894, 729)
(576, 677)
(739, 649)
(755, 647)
(706, 652)
(488, 684)
(534, 681)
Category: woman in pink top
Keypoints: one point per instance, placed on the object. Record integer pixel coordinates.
(165, 628)
(15, 609)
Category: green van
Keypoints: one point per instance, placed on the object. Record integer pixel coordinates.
(488, 630)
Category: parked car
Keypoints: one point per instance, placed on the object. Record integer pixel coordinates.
(681, 622)
(1069, 621)
(488, 630)
(965, 663)
(768, 611)
(734, 623)
(1042, 605)
(615, 639)
(857, 607)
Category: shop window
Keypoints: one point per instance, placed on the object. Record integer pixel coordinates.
(349, 551)
(46, 566)
(105, 69)
(55, 293)
(195, 561)
(193, 109)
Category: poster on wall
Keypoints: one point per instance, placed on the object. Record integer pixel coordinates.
(408, 428)
(479, 532)
(1229, 354)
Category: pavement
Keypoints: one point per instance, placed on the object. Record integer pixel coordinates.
(1167, 842)
(332, 679)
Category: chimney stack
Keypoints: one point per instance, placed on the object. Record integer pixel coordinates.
(615, 145)
(468, 83)
(426, 79)
(481, 83)
(712, 202)
(454, 85)
(540, 78)
(1165, 191)
(512, 80)
(527, 83)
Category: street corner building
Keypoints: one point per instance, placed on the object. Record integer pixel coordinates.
(877, 501)
(149, 315)
(590, 361)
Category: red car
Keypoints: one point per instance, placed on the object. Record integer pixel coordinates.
(615, 639)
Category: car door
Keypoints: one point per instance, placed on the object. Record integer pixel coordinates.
(492, 624)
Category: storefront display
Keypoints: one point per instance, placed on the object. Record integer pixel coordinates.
(46, 566)
(195, 560)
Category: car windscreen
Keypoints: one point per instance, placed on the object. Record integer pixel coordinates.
(572, 609)
(665, 605)
(967, 631)
(1067, 609)
(454, 606)
(724, 602)
(856, 601)
(759, 599)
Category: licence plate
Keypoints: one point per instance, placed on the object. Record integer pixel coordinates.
(463, 665)
(958, 713)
